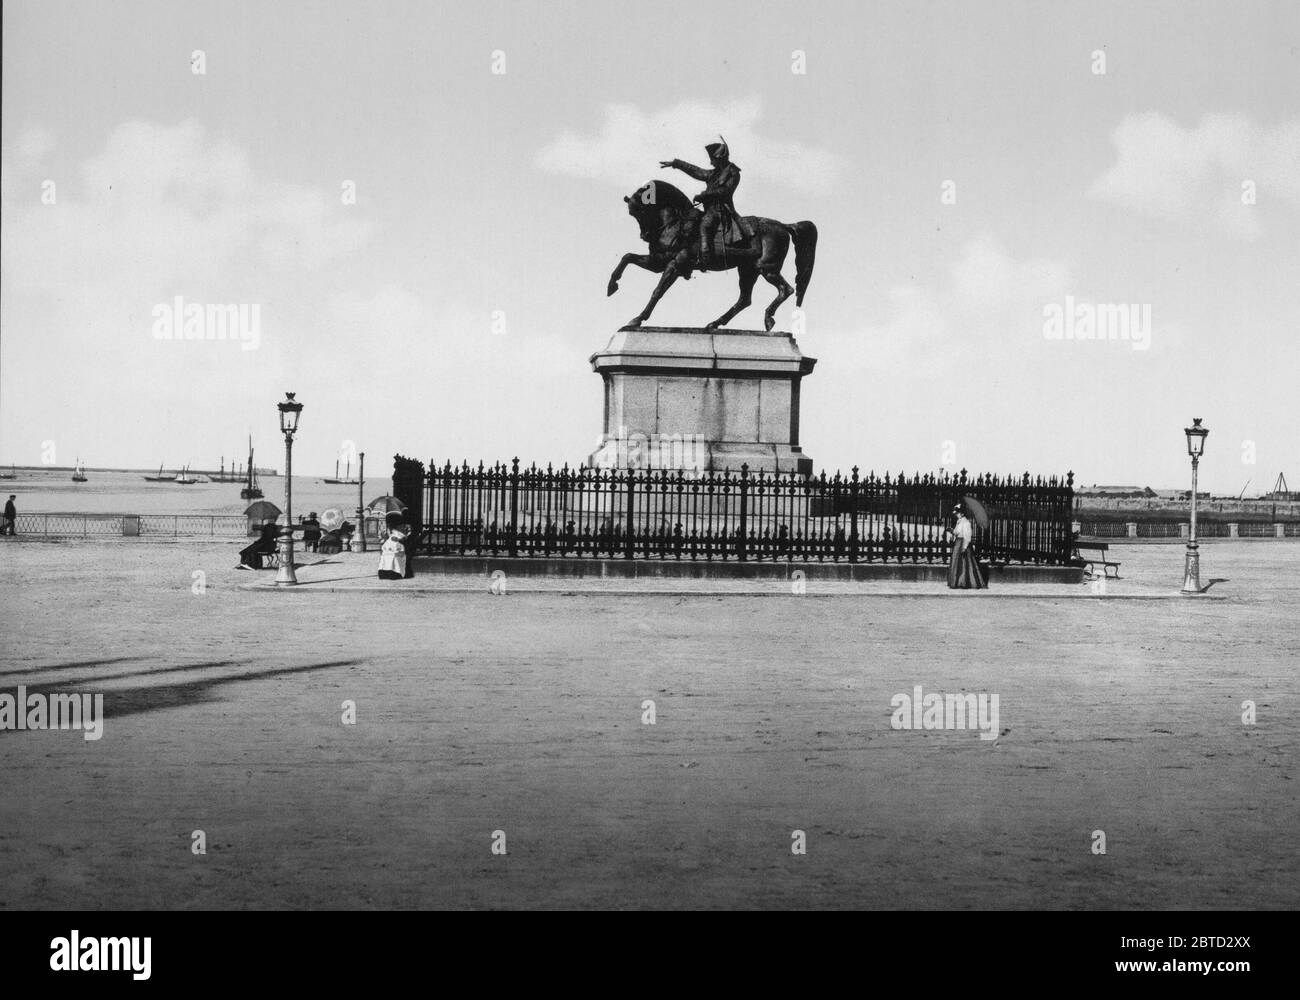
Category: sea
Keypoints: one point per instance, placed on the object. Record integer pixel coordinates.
(53, 492)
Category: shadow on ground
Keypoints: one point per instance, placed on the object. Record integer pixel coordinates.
(154, 697)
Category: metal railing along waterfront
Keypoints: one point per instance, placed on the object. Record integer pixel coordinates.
(63, 525)
(509, 511)
(1180, 529)
(155, 526)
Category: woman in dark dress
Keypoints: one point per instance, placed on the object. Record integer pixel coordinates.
(409, 544)
(964, 571)
(251, 556)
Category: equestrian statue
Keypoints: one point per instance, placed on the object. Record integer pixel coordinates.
(714, 237)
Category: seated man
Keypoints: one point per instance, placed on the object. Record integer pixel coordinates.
(311, 533)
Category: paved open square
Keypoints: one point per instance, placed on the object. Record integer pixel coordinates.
(520, 718)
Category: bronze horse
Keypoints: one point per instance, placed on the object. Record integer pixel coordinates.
(669, 222)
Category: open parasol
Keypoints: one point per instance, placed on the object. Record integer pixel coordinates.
(977, 511)
(382, 505)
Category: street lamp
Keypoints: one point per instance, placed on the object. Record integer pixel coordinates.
(1195, 447)
(289, 411)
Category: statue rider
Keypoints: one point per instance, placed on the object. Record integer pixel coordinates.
(721, 180)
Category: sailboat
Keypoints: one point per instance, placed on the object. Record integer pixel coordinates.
(185, 479)
(347, 479)
(160, 478)
(251, 490)
(79, 474)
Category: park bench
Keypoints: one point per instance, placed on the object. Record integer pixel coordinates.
(1090, 561)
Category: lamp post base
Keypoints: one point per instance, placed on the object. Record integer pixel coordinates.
(284, 546)
(1192, 570)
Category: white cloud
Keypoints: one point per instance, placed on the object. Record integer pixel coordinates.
(986, 277)
(631, 142)
(160, 211)
(34, 143)
(1166, 171)
(160, 208)
(989, 302)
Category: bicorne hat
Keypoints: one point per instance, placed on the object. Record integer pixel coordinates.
(718, 150)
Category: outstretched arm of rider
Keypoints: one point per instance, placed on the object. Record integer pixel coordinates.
(699, 173)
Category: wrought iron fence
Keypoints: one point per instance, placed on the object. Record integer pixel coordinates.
(510, 511)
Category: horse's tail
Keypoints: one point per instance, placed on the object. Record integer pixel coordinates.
(804, 235)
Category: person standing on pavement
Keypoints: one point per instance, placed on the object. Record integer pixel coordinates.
(964, 571)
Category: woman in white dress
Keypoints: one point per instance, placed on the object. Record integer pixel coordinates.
(964, 571)
(392, 556)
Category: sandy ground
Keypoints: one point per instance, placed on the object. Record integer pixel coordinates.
(522, 713)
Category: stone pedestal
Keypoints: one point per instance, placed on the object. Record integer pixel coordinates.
(701, 400)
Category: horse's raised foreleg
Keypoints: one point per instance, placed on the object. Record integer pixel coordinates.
(644, 260)
(748, 275)
(784, 291)
(670, 275)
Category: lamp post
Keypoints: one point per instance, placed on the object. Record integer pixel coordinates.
(361, 506)
(289, 411)
(1195, 447)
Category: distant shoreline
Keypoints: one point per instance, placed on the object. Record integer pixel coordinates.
(146, 472)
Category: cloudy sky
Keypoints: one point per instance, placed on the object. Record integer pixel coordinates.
(969, 166)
